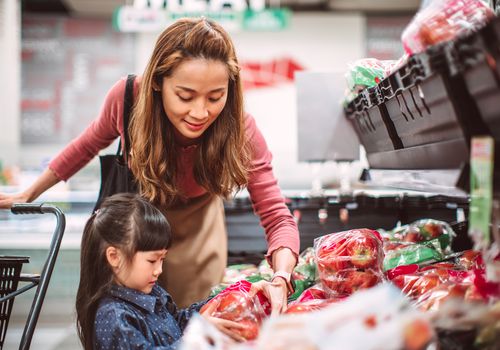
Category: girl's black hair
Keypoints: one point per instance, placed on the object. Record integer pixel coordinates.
(125, 221)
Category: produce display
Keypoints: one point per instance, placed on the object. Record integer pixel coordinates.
(349, 291)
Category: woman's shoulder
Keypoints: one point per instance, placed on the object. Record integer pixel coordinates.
(117, 90)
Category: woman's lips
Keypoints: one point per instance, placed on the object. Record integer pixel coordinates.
(194, 127)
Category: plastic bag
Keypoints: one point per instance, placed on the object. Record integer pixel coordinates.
(349, 260)
(313, 293)
(304, 273)
(366, 72)
(444, 20)
(235, 304)
(378, 318)
(422, 241)
(403, 253)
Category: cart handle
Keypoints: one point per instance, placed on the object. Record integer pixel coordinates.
(28, 208)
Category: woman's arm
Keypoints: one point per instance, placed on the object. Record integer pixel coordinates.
(268, 202)
(98, 135)
(43, 183)
(282, 233)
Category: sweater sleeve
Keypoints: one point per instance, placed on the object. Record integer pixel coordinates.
(97, 136)
(267, 201)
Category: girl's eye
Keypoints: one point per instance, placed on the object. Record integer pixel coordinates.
(214, 99)
(152, 261)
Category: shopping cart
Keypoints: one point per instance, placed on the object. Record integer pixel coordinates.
(11, 276)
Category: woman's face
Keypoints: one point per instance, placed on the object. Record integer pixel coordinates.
(193, 97)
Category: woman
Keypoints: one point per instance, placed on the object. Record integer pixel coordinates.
(192, 145)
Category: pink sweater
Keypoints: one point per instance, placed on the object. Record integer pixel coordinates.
(268, 202)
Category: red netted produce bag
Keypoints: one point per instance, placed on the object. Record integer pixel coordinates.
(235, 304)
(349, 260)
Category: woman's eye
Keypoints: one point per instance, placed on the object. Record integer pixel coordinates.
(185, 99)
(211, 99)
(152, 261)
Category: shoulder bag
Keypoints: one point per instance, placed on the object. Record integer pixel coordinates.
(116, 176)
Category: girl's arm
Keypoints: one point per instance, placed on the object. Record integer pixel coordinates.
(182, 316)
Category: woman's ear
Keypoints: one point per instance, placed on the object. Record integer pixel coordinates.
(156, 84)
(114, 256)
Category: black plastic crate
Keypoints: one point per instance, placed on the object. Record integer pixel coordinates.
(369, 125)
(477, 59)
(10, 272)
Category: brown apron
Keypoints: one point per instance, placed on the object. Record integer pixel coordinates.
(196, 260)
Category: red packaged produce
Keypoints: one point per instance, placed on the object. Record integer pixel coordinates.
(235, 304)
(349, 260)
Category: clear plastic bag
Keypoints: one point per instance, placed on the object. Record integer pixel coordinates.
(235, 304)
(348, 261)
(444, 20)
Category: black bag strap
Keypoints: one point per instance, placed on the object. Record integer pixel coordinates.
(128, 102)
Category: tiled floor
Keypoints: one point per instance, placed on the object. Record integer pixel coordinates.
(56, 337)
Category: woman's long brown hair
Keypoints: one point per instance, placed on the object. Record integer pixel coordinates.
(222, 159)
(125, 221)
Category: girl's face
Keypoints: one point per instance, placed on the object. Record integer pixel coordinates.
(193, 97)
(143, 272)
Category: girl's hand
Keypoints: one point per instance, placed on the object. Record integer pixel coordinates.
(8, 199)
(225, 326)
(275, 291)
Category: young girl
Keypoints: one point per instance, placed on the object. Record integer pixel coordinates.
(119, 305)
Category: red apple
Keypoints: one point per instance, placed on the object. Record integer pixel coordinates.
(472, 294)
(363, 250)
(308, 306)
(332, 254)
(432, 229)
(356, 280)
(424, 284)
(469, 259)
(417, 334)
(413, 235)
(405, 282)
(312, 293)
(251, 330)
(231, 305)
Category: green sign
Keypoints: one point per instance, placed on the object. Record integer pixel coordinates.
(269, 19)
(132, 19)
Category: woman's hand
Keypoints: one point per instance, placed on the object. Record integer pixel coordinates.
(275, 291)
(8, 199)
(225, 326)
(45, 181)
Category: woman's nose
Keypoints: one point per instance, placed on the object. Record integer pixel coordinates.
(199, 110)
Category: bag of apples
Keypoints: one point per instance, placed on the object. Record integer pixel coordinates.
(349, 260)
(444, 20)
(235, 304)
